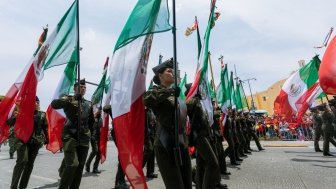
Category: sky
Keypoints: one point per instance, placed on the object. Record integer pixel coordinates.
(262, 39)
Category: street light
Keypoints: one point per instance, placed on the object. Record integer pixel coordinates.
(252, 101)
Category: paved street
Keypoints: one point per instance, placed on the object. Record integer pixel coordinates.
(284, 165)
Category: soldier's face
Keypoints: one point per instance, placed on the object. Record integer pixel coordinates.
(37, 105)
(167, 77)
(82, 90)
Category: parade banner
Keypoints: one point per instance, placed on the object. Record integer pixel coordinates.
(128, 75)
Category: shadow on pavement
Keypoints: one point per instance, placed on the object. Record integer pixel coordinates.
(311, 160)
(333, 167)
(53, 185)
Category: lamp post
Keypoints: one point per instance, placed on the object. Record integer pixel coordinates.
(248, 82)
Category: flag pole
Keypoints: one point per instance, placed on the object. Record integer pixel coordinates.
(177, 152)
(212, 77)
(78, 71)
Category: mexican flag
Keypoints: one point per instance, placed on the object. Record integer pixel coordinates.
(240, 97)
(56, 118)
(96, 100)
(54, 51)
(64, 51)
(223, 94)
(200, 84)
(299, 91)
(128, 75)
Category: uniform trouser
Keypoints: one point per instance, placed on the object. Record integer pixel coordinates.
(242, 143)
(327, 138)
(247, 137)
(26, 155)
(174, 177)
(120, 175)
(74, 162)
(237, 145)
(256, 140)
(230, 150)
(95, 152)
(149, 156)
(317, 135)
(221, 156)
(207, 174)
(12, 147)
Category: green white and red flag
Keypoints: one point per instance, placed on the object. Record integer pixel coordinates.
(54, 51)
(96, 100)
(200, 84)
(64, 51)
(299, 91)
(128, 70)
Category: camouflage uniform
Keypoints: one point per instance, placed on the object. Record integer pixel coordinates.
(95, 152)
(27, 152)
(75, 140)
(207, 170)
(161, 101)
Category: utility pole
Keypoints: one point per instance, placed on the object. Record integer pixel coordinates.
(249, 85)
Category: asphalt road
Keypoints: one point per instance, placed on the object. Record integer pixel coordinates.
(284, 165)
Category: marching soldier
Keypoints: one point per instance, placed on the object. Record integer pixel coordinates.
(327, 126)
(95, 136)
(75, 136)
(207, 166)
(27, 152)
(317, 126)
(249, 125)
(332, 104)
(218, 139)
(230, 150)
(161, 100)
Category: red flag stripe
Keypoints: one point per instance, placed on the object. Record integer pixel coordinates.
(55, 126)
(24, 124)
(130, 143)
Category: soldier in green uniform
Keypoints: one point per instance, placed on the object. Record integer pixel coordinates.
(11, 138)
(317, 126)
(149, 155)
(327, 126)
(75, 136)
(218, 139)
(332, 104)
(160, 99)
(237, 142)
(207, 166)
(228, 135)
(27, 152)
(249, 126)
(95, 136)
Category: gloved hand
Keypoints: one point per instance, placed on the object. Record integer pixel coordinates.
(78, 97)
(177, 91)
